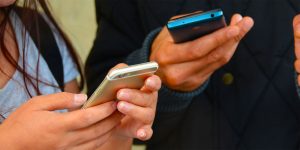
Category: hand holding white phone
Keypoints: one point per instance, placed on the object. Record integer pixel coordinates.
(132, 77)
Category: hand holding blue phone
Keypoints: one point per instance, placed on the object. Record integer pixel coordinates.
(185, 66)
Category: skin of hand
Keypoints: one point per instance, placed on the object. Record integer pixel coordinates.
(138, 107)
(186, 66)
(296, 25)
(35, 125)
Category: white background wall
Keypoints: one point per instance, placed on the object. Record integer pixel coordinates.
(77, 18)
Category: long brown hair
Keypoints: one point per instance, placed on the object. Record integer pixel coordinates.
(29, 20)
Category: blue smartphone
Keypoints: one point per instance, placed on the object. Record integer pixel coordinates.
(195, 25)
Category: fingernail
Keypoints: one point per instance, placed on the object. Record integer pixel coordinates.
(141, 134)
(239, 18)
(123, 107)
(232, 32)
(150, 83)
(124, 95)
(80, 99)
(247, 25)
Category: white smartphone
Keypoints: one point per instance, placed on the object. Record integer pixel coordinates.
(132, 77)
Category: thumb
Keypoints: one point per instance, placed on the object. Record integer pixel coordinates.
(57, 101)
(118, 66)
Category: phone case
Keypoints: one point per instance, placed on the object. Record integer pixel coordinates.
(132, 77)
(192, 26)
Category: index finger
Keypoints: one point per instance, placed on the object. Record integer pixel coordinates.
(86, 117)
(118, 66)
(200, 47)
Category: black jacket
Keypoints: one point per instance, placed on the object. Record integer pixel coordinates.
(251, 103)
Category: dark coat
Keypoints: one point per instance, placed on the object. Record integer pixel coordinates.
(250, 103)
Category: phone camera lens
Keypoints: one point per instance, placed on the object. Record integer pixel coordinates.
(212, 15)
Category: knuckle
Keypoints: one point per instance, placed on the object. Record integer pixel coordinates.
(106, 111)
(148, 120)
(149, 102)
(196, 52)
(166, 55)
(134, 96)
(239, 37)
(153, 98)
(103, 112)
(146, 99)
(86, 117)
(216, 40)
(223, 61)
(33, 101)
(214, 56)
(173, 80)
(162, 60)
(149, 117)
(66, 96)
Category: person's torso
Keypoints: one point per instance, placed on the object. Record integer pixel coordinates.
(17, 91)
(252, 100)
